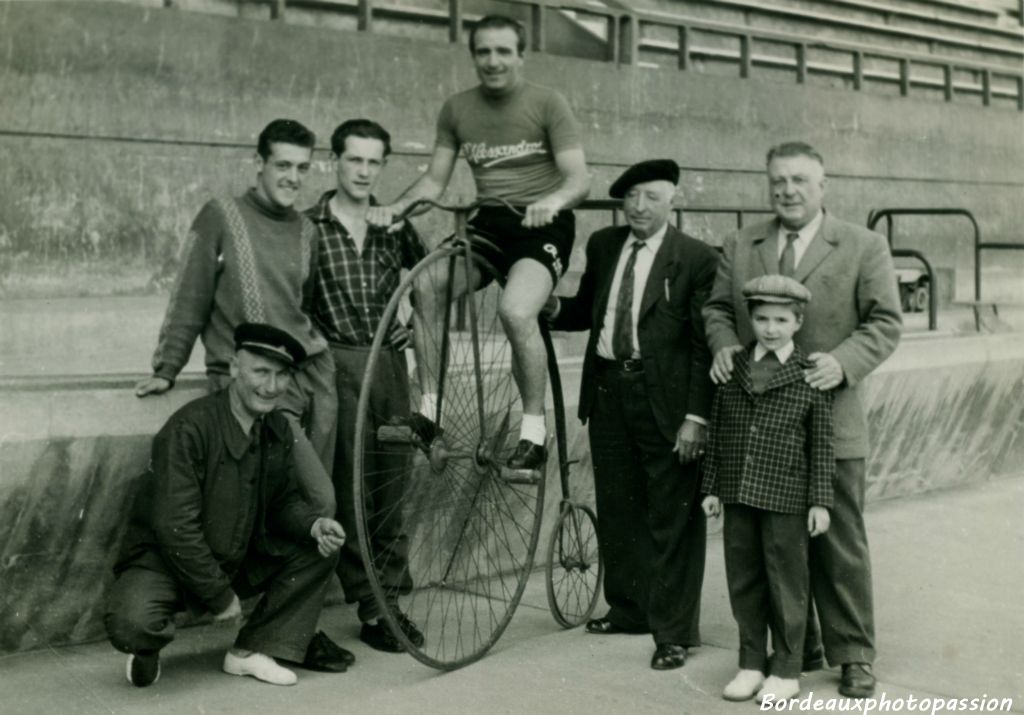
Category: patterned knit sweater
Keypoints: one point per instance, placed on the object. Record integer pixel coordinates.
(243, 261)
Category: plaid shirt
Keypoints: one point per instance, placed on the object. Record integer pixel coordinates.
(772, 450)
(352, 290)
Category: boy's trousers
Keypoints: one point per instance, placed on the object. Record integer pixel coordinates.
(769, 584)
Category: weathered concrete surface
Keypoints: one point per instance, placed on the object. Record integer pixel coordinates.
(947, 583)
(946, 411)
(942, 413)
(68, 465)
(119, 121)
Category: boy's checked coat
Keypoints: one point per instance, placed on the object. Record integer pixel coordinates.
(772, 450)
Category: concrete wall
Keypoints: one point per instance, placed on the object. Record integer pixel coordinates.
(941, 413)
(119, 121)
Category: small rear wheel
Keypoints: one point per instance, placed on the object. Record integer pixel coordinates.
(574, 566)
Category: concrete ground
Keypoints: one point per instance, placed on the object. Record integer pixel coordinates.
(948, 584)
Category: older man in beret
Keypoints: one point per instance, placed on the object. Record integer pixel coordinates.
(219, 517)
(647, 396)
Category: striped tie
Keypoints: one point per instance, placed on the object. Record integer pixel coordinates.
(622, 333)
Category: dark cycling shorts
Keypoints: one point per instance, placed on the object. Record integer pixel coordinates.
(550, 245)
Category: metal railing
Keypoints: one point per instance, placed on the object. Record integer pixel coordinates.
(876, 215)
(979, 246)
(739, 212)
(624, 40)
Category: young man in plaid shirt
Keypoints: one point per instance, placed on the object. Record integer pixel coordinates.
(358, 270)
(770, 461)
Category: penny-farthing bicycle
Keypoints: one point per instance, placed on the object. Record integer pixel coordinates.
(448, 538)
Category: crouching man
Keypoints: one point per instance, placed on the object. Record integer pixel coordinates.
(219, 517)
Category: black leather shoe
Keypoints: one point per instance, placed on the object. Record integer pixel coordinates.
(857, 681)
(604, 627)
(813, 660)
(326, 656)
(528, 456)
(423, 428)
(668, 656)
(143, 670)
(377, 636)
(409, 629)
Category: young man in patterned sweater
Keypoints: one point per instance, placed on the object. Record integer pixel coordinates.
(252, 259)
(770, 461)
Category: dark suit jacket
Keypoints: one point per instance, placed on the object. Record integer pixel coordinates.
(771, 451)
(670, 329)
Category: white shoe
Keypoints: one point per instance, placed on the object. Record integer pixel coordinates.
(777, 689)
(262, 667)
(744, 685)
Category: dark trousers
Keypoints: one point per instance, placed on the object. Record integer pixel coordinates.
(385, 471)
(651, 531)
(143, 601)
(769, 586)
(841, 575)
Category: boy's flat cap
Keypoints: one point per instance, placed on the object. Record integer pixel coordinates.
(650, 170)
(268, 341)
(776, 288)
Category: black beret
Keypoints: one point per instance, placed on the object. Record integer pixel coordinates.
(650, 170)
(268, 341)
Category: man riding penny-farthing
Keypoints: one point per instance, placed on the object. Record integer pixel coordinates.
(473, 489)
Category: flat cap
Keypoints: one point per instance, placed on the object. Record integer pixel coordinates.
(650, 170)
(776, 288)
(268, 341)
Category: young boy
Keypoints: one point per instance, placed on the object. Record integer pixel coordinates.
(770, 462)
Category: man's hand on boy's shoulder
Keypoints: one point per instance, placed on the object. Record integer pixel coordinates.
(818, 521)
(721, 366)
(826, 374)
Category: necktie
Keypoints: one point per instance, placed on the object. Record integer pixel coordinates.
(622, 333)
(787, 261)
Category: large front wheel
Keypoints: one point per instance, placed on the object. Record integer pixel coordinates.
(447, 540)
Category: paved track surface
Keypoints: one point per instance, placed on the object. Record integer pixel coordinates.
(948, 587)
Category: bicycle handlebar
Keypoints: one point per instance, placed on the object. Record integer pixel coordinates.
(483, 201)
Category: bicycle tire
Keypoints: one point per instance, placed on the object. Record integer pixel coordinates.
(574, 566)
(469, 535)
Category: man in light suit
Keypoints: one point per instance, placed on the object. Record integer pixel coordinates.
(647, 394)
(851, 327)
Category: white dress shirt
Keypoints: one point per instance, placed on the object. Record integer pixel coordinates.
(641, 270)
(782, 353)
(807, 233)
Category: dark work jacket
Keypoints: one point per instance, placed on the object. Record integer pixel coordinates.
(670, 328)
(211, 495)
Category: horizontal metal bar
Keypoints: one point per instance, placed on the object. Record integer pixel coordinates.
(836, 21)
(813, 41)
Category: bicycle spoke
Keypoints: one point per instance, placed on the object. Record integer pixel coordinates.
(466, 537)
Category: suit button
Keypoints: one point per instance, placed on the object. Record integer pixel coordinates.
(753, 429)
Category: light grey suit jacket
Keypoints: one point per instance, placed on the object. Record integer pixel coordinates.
(854, 312)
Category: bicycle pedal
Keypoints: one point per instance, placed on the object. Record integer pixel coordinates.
(529, 477)
(396, 434)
